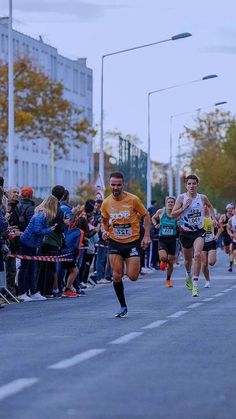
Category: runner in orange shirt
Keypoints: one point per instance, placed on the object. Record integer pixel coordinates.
(121, 212)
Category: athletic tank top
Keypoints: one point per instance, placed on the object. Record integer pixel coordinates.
(192, 218)
(225, 222)
(209, 228)
(167, 225)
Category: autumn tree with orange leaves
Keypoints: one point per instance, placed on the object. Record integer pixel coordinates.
(41, 111)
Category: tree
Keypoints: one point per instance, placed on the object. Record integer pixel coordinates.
(41, 111)
(85, 191)
(213, 155)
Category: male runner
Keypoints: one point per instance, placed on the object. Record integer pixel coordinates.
(121, 212)
(190, 207)
(223, 222)
(167, 237)
(231, 229)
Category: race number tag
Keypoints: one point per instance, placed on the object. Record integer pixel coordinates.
(167, 231)
(122, 230)
(194, 218)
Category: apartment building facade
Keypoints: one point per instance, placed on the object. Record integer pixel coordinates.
(33, 158)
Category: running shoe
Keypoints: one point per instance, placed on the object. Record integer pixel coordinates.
(207, 284)
(169, 283)
(189, 283)
(70, 294)
(123, 312)
(195, 292)
(230, 269)
(163, 265)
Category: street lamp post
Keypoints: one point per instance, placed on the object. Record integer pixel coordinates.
(178, 177)
(101, 150)
(11, 159)
(211, 76)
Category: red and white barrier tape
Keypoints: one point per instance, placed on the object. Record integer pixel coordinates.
(60, 258)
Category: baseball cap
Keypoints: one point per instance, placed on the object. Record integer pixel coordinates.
(229, 206)
(26, 192)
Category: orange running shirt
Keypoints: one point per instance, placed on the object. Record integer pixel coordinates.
(123, 217)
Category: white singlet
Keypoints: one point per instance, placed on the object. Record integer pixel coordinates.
(233, 223)
(192, 218)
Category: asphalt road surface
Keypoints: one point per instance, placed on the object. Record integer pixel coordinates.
(174, 356)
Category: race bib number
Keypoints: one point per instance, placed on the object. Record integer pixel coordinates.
(194, 218)
(167, 231)
(122, 230)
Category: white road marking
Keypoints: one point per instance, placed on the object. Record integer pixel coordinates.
(157, 323)
(77, 359)
(178, 314)
(208, 299)
(194, 305)
(227, 290)
(219, 294)
(16, 386)
(233, 286)
(126, 338)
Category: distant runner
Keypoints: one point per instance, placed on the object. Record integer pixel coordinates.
(167, 237)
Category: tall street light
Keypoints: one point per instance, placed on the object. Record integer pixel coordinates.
(211, 76)
(178, 180)
(11, 159)
(101, 151)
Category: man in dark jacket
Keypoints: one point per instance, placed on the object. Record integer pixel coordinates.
(25, 207)
(14, 243)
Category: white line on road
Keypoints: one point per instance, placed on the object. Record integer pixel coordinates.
(15, 386)
(157, 323)
(194, 305)
(227, 290)
(126, 338)
(233, 286)
(207, 299)
(219, 294)
(77, 359)
(178, 314)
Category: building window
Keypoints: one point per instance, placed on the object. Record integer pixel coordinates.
(75, 81)
(3, 43)
(82, 84)
(89, 83)
(90, 115)
(67, 78)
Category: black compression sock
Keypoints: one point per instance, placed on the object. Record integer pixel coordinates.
(119, 290)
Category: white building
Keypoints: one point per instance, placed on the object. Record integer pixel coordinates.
(32, 158)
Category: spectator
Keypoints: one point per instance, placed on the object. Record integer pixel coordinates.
(3, 230)
(52, 243)
(14, 243)
(30, 241)
(25, 207)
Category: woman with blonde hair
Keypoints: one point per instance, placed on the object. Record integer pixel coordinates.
(30, 240)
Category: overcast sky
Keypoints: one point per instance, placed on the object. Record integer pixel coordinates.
(93, 28)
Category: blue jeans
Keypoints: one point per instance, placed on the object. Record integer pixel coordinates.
(27, 274)
(103, 267)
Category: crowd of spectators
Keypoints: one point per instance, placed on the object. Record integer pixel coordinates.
(54, 228)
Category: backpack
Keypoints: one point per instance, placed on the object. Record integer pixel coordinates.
(21, 214)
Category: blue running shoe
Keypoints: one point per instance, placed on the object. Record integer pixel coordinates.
(123, 312)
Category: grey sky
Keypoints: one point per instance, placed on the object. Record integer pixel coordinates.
(93, 28)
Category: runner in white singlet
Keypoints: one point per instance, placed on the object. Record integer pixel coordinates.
(189, 207)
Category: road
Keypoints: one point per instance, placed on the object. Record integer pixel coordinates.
(172, 357)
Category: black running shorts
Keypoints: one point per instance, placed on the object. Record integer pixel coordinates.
(209, 246)
(187, 238)
(233, 246)
(125, 250)
(167, 244)
(226, 239)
